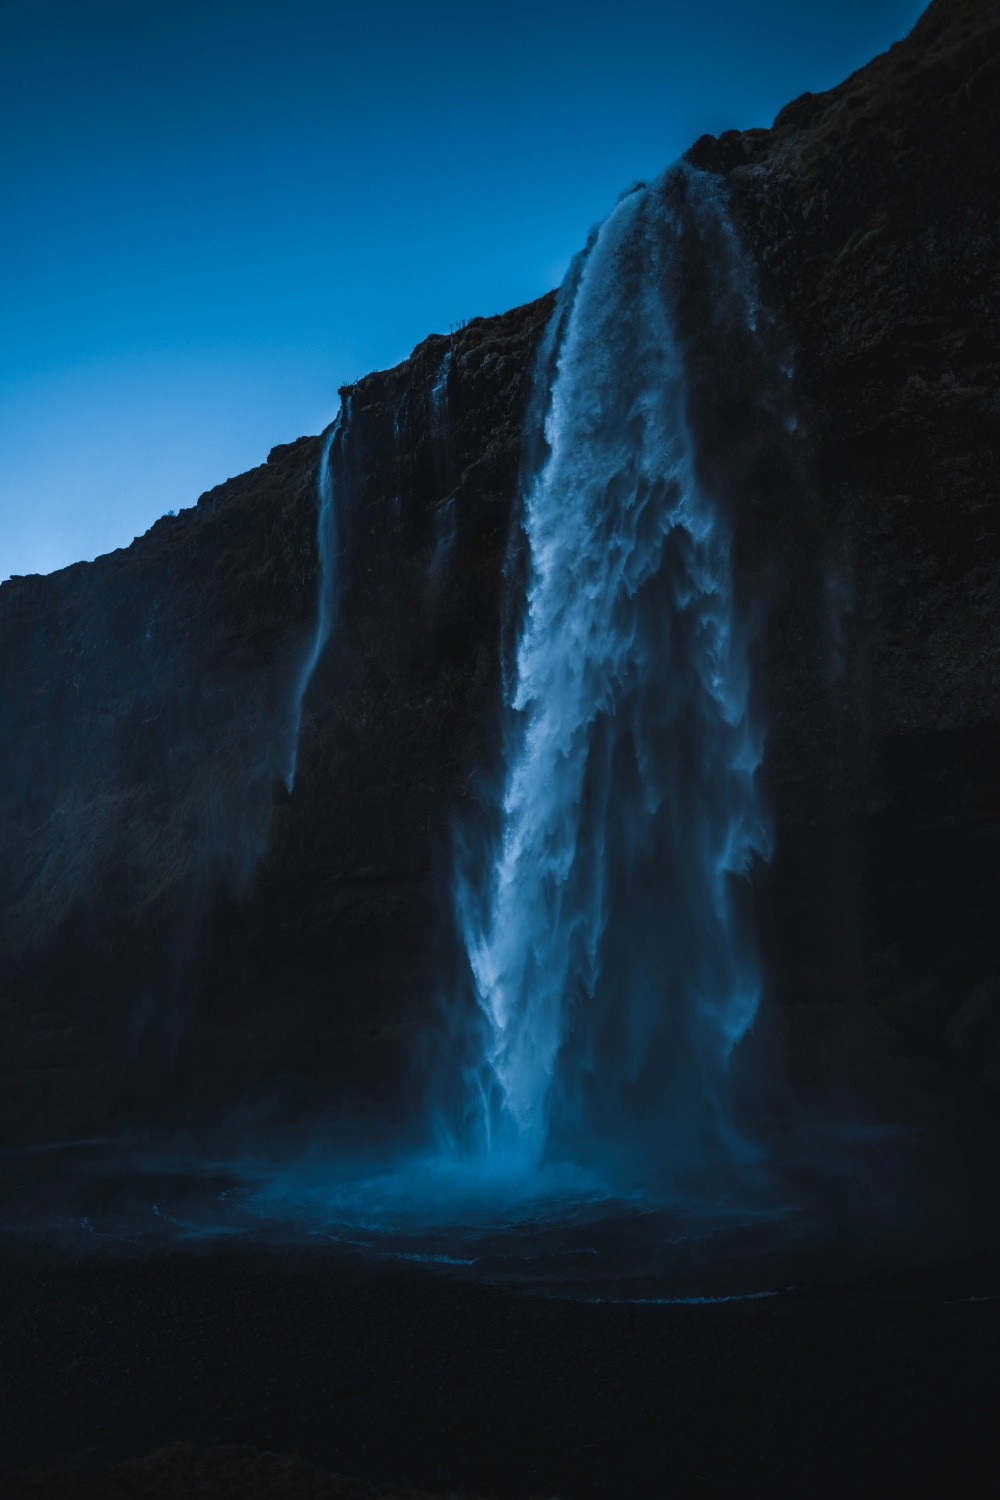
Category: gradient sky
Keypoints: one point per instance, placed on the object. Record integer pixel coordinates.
(216, 213)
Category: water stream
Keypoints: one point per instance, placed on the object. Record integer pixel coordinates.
(610, 938)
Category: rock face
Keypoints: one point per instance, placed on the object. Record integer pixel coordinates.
(177, 931)
(181, 936)
(872, 214)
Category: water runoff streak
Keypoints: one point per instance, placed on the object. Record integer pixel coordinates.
(326, 604)
(610, 935)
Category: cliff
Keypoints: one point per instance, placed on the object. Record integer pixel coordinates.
(872, 214)
(181, 935)
(176, 928)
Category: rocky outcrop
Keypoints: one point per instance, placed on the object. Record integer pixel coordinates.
(872, 212)
(180, 934)
(144, 702)
(178, 931)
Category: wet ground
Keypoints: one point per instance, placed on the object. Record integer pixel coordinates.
(580, 1346)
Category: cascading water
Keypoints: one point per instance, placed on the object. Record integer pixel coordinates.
(439, 397)
(610, 940)
(326, 604)
(446, 519)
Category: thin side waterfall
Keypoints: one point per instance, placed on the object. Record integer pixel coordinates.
(327, 597)
(610, 938)
(439, 396)
(446, 519)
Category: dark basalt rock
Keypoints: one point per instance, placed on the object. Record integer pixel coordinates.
(181, 935)
(177, 930)
(872, 212)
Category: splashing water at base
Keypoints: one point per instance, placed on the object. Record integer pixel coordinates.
(555, 1230)
(610, 940)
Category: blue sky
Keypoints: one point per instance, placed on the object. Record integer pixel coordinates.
(216, 213)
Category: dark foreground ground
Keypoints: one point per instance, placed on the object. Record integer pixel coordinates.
(402, 1375)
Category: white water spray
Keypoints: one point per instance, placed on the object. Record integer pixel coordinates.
(609, 944)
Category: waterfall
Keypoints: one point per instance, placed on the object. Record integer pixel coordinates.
(326, 603)
(446, 517)
(439, 397)
(610, 937)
